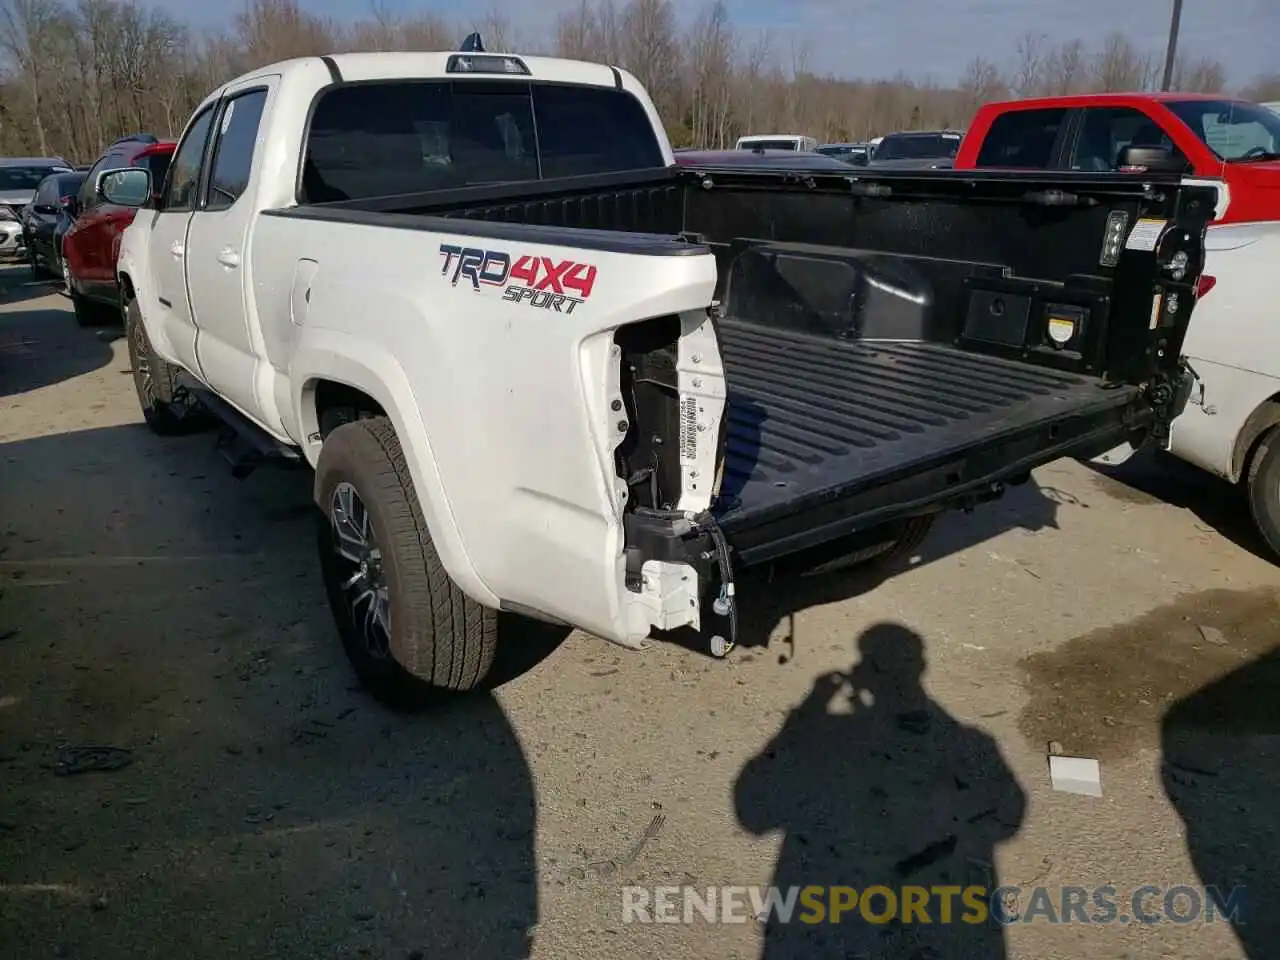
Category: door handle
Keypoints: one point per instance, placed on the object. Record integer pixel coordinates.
(177, 249)
(229, 258)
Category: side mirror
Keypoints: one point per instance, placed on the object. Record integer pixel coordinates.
(70, 206)
(1150, 160)
(126, 187)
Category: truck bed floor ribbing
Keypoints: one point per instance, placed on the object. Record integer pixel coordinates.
(813, 419)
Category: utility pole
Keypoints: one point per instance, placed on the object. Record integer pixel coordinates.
(1171, 53)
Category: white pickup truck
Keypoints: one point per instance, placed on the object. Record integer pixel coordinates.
(1231, 426)
(539, 368)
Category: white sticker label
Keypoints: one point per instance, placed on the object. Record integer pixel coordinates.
(1145, 234)
(1061, 330)
(1156, 302)
(688, 429)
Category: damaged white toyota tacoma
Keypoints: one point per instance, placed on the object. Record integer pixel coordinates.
(538, 368)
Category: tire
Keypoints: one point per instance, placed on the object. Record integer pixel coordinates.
(433, 638)
(886, 554)
(165, 406)
(38, 273)
(90, 313)
(1264, 490)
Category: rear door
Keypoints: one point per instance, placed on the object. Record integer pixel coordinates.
(218, 276)
(168, 242)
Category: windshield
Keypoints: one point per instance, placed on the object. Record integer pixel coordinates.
(1232, 129)
(769, 145)
(917, 147)
(25, 178)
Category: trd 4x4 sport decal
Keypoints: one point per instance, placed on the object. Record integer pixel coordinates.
(538, 281)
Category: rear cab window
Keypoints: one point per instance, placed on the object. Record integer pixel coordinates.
(409, 136)
(1023, 139)
(918, 146)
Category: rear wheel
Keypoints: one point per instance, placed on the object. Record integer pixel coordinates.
(167, 407)
(91, 313)
(408, 631)
(1264, 490)
(38, 272)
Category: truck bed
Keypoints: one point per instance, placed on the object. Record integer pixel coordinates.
(884, 334)
(817, 427)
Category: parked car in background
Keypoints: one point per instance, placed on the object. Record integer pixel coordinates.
(756, 159)
(92, 243)
(1273, 107)
(19, 177)
(1231, 426)
(45, 221)
(1232, 143)
(776, 141)
(917, 150)
(858, 154)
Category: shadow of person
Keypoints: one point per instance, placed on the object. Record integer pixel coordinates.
(874, 784)
(1221, 771)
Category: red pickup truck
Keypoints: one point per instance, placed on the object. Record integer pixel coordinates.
(1233, 142)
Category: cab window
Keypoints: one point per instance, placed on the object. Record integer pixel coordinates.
(1023, 139)
(1105, 131)
(184, 172)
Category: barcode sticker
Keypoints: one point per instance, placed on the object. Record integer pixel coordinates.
(688, 429)
(1145, 234)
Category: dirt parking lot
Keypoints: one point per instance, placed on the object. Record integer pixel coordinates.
(260, 805)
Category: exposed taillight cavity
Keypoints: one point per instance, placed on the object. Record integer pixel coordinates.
(1205, 284)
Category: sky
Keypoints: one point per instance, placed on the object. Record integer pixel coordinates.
(877, 38)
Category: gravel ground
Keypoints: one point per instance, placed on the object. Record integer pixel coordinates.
(268, 808)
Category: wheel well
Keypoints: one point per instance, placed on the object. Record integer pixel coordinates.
(339, 403)
(126, 288)
(1266, 416)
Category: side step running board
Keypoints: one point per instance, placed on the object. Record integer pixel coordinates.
(243, 443)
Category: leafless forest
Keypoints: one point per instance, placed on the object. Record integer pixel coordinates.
(74, 76)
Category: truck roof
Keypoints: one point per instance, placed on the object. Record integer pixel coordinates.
(426, 66)
(1072, 99)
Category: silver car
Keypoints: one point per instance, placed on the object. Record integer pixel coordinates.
(19, 177)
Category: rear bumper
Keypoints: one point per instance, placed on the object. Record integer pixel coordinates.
(12, 246)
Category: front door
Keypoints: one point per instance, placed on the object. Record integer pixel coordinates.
(168, 245)
(218, 268)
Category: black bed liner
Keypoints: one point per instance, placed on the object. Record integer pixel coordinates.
(883, 331)
(817, 428)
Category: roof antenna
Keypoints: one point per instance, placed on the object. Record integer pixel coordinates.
(473, 44)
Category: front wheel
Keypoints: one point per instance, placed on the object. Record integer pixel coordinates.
(1264, 490)
(167, 407)
(407, 629)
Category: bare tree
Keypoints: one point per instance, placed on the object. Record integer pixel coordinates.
(1029, 74)
(1120, 66)
(981, 83)
(28, 29)
(75, 74)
